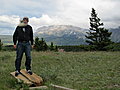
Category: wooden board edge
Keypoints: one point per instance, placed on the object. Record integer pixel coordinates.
(34, 75)
(39, 87)
(60, 87)
(19, 80)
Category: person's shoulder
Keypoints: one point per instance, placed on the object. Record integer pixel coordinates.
(17, 27)
(29, 26)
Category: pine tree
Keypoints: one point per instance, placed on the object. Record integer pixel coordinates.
(37, 47)
(56, 48)
(51, 46)
(40, 45)
(97, 35)
(1, 44)
(45, 46)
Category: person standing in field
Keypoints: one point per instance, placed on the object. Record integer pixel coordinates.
(24, 35)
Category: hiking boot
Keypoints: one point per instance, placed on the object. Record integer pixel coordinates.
(29, 72)
(17, 73)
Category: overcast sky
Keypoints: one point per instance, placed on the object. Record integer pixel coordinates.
(57, 12)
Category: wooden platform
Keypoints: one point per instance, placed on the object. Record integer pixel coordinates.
(33, 79)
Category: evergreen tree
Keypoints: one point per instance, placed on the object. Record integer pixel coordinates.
(51, 46)
(45, 46)
(56, 48)
(37, 47)
(97, 35)
(40, 45)
(1, 44)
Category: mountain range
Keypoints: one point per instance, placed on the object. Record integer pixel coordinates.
(115, 34)
(69, 35)
(63, 35)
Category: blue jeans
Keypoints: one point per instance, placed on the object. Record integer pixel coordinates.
(21, 48)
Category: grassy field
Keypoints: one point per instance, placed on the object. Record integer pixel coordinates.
(77, 70)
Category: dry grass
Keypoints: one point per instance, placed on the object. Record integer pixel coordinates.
(78, 70)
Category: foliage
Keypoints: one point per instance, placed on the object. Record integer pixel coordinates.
(8, 48)
(97, 35)
(78, 48)
(113, 47)
(1, 44)
(56, 48)
(40, 45)
(51, 46)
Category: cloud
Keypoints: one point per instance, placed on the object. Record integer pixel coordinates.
(10, 22)
(44, 20)
(13, 20)
(77, 12)
(58, 12)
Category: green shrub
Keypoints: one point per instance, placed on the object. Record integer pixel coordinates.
(40, 45)
(8, 48)
(51, 46)
(113, 47)
(1, 44)
(78, 48)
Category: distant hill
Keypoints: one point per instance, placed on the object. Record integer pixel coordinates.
(6, 39)
(115, 34)
(62, 34)
(69, 35)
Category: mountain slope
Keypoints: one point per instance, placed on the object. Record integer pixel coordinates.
(115, 34)
(62, 34)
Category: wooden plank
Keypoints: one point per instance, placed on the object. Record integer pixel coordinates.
(60, 87)
(21, 77)
(36, 88)
(40, 87)
(34, 78)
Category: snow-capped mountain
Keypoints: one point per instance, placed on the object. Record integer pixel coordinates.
(62, 34)
(59, 30)
(115, 34)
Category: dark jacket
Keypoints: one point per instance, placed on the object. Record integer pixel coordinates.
(21, 35)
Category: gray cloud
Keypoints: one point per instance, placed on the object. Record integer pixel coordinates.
(57, 12)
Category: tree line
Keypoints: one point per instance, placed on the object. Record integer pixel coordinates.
(41, 45)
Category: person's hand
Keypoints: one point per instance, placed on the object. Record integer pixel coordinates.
(32, 46)
(14, 46)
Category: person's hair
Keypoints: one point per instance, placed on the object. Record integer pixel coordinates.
(26, 18)
(21, 21)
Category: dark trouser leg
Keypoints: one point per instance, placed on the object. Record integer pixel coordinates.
(28, 56)
(19, 52)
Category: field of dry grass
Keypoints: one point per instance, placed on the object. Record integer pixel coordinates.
(77, 70)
